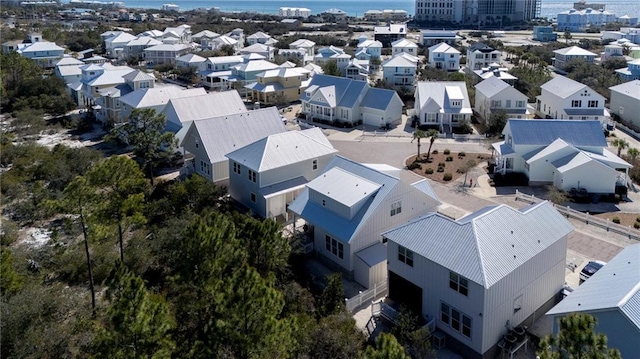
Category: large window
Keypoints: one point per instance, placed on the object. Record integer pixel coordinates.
(458, 283)
(576, 103)
(405, 256)
(431, 117)
(205, 167)
(396, 208)
(332, 245)
(592, 103)
(455, 319)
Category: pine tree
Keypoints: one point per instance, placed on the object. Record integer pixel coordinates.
(387, 347)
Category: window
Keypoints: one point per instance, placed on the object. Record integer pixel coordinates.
(508, 104)
(455, 319)
(520, 104)
(405, 256)
(592, 103)
(396, 208)
(496, 103)
(456, 103)
(205, 167)
(332, 245)
(576, 103)
(253, 197)
(431, 117)
(458, 283)
(517, 304)
(314, 165)
(252, 176)
(236, 167)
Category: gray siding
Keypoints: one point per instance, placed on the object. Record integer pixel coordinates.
(629, 104)
(240, 189)
(284, 173)
(199, 153)
(319, 246)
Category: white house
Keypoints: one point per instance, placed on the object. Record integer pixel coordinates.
(217, 67)
(400, 70)
(307, 45)
(224, 41)
(267, 175)
(68, 69)
(211, 139)
(612, 296)
(442, 104)
(563, 98)
(115, 41)
(156, 97)
(95, 78)
(444, 56)
(480, 275)
(368, 49)
(44, 53)
(204, 38)
(325, 54)
(625, 101)
(562, 56)
(357, 70)
(181, 111)
(331, 98)
(191, 61)
(261, 38)
(347, 219)
(260, 49)
(165, 53)
(565, 153)
(177, 35)
(134, 49)
(404, 45)
(480, 55)
(496, 97)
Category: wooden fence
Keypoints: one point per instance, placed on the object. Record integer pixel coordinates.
(366, 297)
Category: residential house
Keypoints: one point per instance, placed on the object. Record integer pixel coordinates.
(563, 56)
(347, 219)
(115, 43)
(68, 69)
(303, 44)
(246, 72)
(238, 35)
(334, 15)
(261, 38)
(203, 38)
(264, 50)
(331, 98)
(368, 49)
(217, 67)
(315, 69)
(155, 34)
(631, 72)
(134, 49)
(442, 104)
(481, 275)
(177, 35)
(495, 70)
(156, 97)
(279, 86)
(95, 78)
(544, 34)
(357, 70)
(563, 98)
(325, 54)
(192, 61)
(630, 33)
(210, 140)
(581, 20)
(625, 102)
(400, 70)
(480, 55)
(270, 173)
(404, 45)
(433, 37)
(182, 111)
(611, 51)
(443, 56)
(389, 33)
(223, 41)
(612, 296)
(495, 97)
(294, 54)
(108, 100)
(11, 46)
(568, 154)
(165, 53)
(44, 53)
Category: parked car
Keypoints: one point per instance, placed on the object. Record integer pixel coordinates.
(590, 269)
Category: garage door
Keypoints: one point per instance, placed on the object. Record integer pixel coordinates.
(373, 120)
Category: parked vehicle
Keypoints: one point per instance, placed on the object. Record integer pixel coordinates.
(590, 269)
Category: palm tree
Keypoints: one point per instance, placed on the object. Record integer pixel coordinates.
(432, 134)
(418, 134)
(633, 154)
(621, 144)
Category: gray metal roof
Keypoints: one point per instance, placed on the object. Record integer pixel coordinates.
(224, 134)
(378, 98)
(159, 95)
(543, 132)
(373, 255)
(491, 86)
(616, 286)
(424, 186)
(441, 91)
(631, 88)
(353, 189)
(206, 106)
(346, 90)
(487, 245)
(563, 87)
(283, 149)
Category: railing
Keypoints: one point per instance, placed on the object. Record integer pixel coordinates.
(378, 290)
(585, 217)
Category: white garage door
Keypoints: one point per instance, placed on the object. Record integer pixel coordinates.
(373, 120)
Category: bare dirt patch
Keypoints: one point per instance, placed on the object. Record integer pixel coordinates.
(626, 219)
(453, 167)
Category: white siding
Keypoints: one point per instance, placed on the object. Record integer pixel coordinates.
(220, 171)
(304, 169)
(319, 246)
(594, 177)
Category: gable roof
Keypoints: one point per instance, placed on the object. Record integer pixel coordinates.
(69, 61)
(444, 48)
(138, 75)
(159, 95)
(283, 149)
(205, 33)
(564, 87)
(403, 43)
(491, 86)
(302, 43)
(121, 36)
(399, 61)
(631, 88)
(209, 105)
(378, 98)
(191, 58)
(479, 46)
(616, 286)
(543, 132)
(344, 91)
(144, 41)
(439, 92)
(574, 51)
(223, 134)
(487, 245)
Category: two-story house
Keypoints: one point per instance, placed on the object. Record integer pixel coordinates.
(68, 69)
(442, 104)
(326, 54)
(445, 57)
(389, 33)
(192, 61)
(563, 98)
(544, 34)
(115, 42)
(211, 139)
(215, 68)
(267, 175)
(165, 53)
(568, 154)
(400, 70)
(156, 97)
(260, 49)
(261, 38)
(134, 49)
(480, 55)
(348, 205)
(631, 72)
(177, 35)
(95, 78)
(303, 44)
(279, 85)
(331, 98)
(611, 51)
(563, 56)
(357, 70)
(224, 41)
(625, 101)
(434, 37)
(495, 97)
(181, 111)
(246, 72)
(110, 106)
(404, 45)
(204, 38)
(368, 49)
(480, 275)
(44, 53)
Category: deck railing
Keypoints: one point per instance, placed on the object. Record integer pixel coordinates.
(367, 296)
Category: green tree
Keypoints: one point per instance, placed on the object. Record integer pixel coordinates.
(121, 187)
(432, 135)
(267, 249)
(139, 322)
(633, 154)
(567, 36)
(387, 347)
(419, 134)
(332, 297)
(336, 337)
(145, 131)
(10, 281)
(331, 68)
(620, 144)
(577, 339)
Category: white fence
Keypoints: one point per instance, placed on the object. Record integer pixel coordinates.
(628, 131)
(368, 296)
(586, 217)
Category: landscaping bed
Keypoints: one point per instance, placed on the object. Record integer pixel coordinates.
(451, 164)
(626, 219)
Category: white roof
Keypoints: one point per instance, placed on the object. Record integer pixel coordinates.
(138, 75)
(257, 47)
(563, 87)
(284, 72)
(399, 61)
(404, 43)
(234, 59)
(122, 37)
(160, 95)
(574, 51)
(111, 76)
(491, 86)
(208, 105)
(205, 33)
(144, 41)
(353, 188)
(256, 65)
(437, 93)
(390, 29)
(443, 47)
(225, 40)
(369, 43)
(283, 149)
(259, 35)
(302, 43)
(631, 88)
(167, 47)
(39, 46)
(69, 71)
(68, 61)
(191, 58)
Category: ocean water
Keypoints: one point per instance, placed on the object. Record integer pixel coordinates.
(549, 8)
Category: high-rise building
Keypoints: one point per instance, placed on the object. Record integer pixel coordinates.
(489, 12)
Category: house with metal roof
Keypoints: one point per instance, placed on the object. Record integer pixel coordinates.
(115, 41)
(44, 53)
(569, 154)
(389, 33)
(480, 275)
(403, 45)
(68, 69)
(443, 56)
(400, 70)
(193, 61)
(261, 38)
(434, 37)
(217, 67)
(442, 104)
(209, 140)
(368, 49)
(612, 296)
(109, 105)
(134, 49)
(495, 70)
(631, 72)
(341, 100)
(95, 78)
(625, 101)
(278, 86)
(357, 70)
(223, 41)
(480, 55)
(260, 49)
(349, 205)
(496, 97)
(165, 53)
(563, 56)
(181, 111)
(246, 72)
(303, 44)
(267, 175)
(177, 35)
(563, 98)
(156, 97)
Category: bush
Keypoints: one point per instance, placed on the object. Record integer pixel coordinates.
(449, 159)
(435, 152)
(616, 220)
(414, 165)
(636, 225)
(462, 154)
(440, 169)
(447, 177)
(429, 171)
(638, 219)
(441, 164)
(446, 151)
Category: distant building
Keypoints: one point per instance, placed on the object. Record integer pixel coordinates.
(433, 37)
(385, 15)
(583, 5)
(296, 12)
(581, 20)
(544, 34)
(631, 72)
(625, 102)
(334, 15)
(498, 12)
(389, 33)
(563, 56)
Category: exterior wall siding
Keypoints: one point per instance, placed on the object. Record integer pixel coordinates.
(220, 171)
(591, 176)
(304, 169)
(320, 248)
(626, 107)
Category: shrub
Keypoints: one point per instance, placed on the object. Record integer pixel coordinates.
(441, 164)
(616, 220)
(446, 151)
(414, 165)
(462, 154)
(449, 159)
(636, 225)
(440, 169)
(435, 152)
(429, 171)
(638, 219)
(447, 177)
